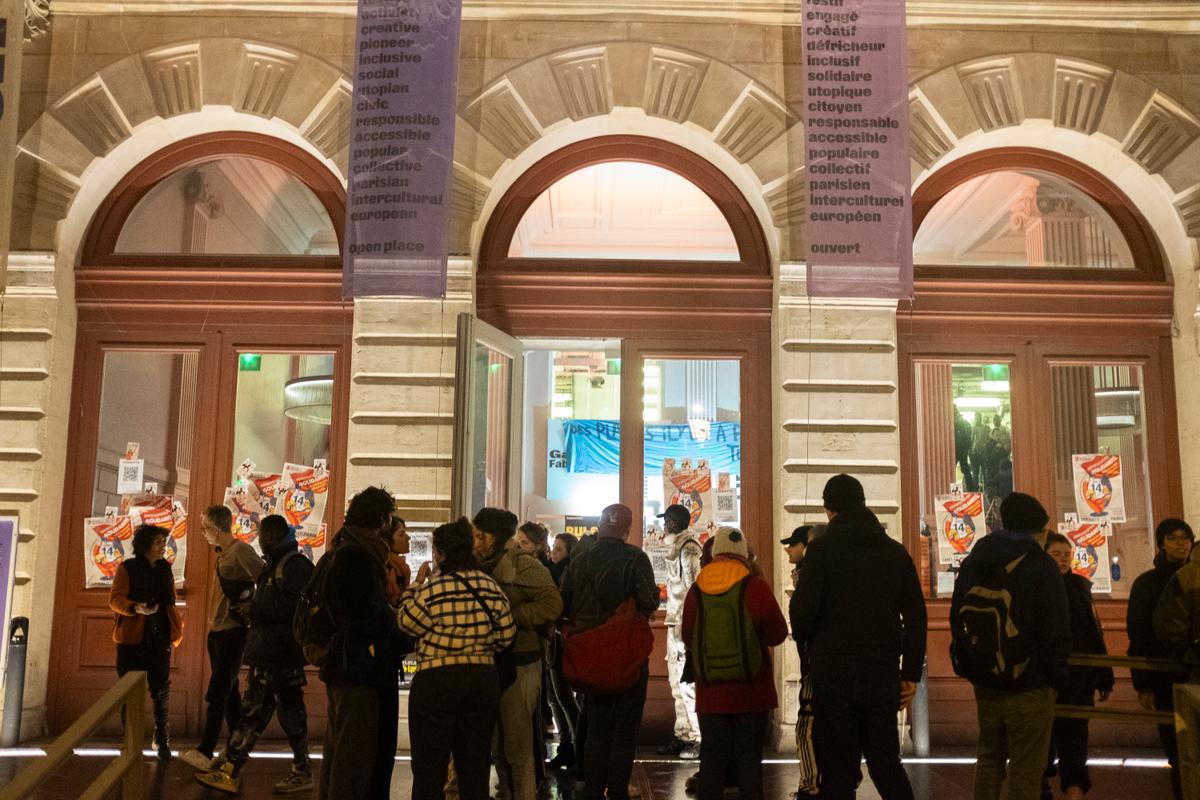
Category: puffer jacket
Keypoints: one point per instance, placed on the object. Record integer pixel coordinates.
(270, 643)
(532, 596)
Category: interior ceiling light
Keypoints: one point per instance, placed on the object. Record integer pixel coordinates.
(977, 402)
(309, 399)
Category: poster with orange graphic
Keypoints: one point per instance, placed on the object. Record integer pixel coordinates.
(960, 523)
(248, 512)
(165, 512)
(1091, 558)
(303, 492)
(1099, 490)
(690, 487)
(107, 541)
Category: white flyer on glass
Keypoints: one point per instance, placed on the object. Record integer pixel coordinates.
(1099, 490)
(1091, 553)
(959, 520)
(303, 492)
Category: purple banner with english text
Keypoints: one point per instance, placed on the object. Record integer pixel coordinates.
(401, 147)
(859, 219)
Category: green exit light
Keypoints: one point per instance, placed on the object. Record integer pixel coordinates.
(249, 362)
(995, 372)
(614, 366)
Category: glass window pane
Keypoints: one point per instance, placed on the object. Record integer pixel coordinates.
(148, 398)
(692, 435)
(964, 430)
(1099, 410)
(624, 210)
(229, 206)
(284, 405)
(572, 432)
(491, 428)
(1020, 218)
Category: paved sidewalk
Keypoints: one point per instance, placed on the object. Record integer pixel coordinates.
(1119, 775)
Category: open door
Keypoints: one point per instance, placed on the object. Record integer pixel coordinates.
(488, 411)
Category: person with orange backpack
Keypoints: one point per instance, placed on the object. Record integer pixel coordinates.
(730, 622)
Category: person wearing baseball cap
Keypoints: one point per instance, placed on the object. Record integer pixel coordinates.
(683, 565)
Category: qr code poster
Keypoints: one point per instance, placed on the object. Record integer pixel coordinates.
(1099, 489)
(659, 553)
(1091, 553)
(690, 487)
(130, 475)
(960, 523)
(420, 550)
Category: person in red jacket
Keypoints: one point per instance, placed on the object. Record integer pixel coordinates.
(730, 622)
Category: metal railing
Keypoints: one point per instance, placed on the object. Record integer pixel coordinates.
(1187, 726)
(129, 694)
(1133, 715)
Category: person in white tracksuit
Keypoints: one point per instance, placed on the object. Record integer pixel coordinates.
(683, 566)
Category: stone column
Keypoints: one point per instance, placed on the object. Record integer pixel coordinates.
(837, 411)
(36, 347)
(401, 431)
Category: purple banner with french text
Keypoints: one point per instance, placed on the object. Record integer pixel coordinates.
(9, 530)
(856, 156)
(401, 147)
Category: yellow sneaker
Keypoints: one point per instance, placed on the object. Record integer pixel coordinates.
(223, 779)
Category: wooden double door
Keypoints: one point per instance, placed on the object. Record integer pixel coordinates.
(197, 404)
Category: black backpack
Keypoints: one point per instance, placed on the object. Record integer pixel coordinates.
(987, 647)
(313, 626)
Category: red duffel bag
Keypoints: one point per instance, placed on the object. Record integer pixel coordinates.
(609, 658)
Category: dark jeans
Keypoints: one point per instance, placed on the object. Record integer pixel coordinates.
(224, 703)
(270, 693)
(155, 660)
(385, 744)
(1164, 700)
(1069, 744)
(853, 720)
(452, 711)
(727, 739)
(611, 740)
(566, 711)
(351, 738)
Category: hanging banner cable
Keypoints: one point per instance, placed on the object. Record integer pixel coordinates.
(401, 147)
(859, 218)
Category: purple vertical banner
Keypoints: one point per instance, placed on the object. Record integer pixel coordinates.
(859, 221)
(8, 574)
(401, 147)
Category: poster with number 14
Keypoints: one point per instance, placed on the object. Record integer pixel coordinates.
(1099, 489)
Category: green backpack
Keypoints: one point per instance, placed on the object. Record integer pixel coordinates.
(725, 645)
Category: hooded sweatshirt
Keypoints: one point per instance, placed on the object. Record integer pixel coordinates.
(758, 693)
(1039, 606)
(532, 597)
(857, 611)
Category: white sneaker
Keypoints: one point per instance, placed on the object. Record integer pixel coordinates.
(197, 760)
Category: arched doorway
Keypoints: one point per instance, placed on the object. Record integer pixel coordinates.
(1040, 331)
(211, 333)
(634, 281)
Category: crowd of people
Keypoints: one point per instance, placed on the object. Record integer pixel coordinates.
(510, 629)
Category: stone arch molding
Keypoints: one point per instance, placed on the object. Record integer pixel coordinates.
(984, 97)
(308, 96)
(749, 123)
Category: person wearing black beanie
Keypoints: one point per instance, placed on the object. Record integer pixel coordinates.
(1014, 698)
(843, 493)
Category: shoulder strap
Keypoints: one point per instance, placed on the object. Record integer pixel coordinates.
(277, 573)
(478, 598)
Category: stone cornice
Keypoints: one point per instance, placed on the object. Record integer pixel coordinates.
(1179, 16)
